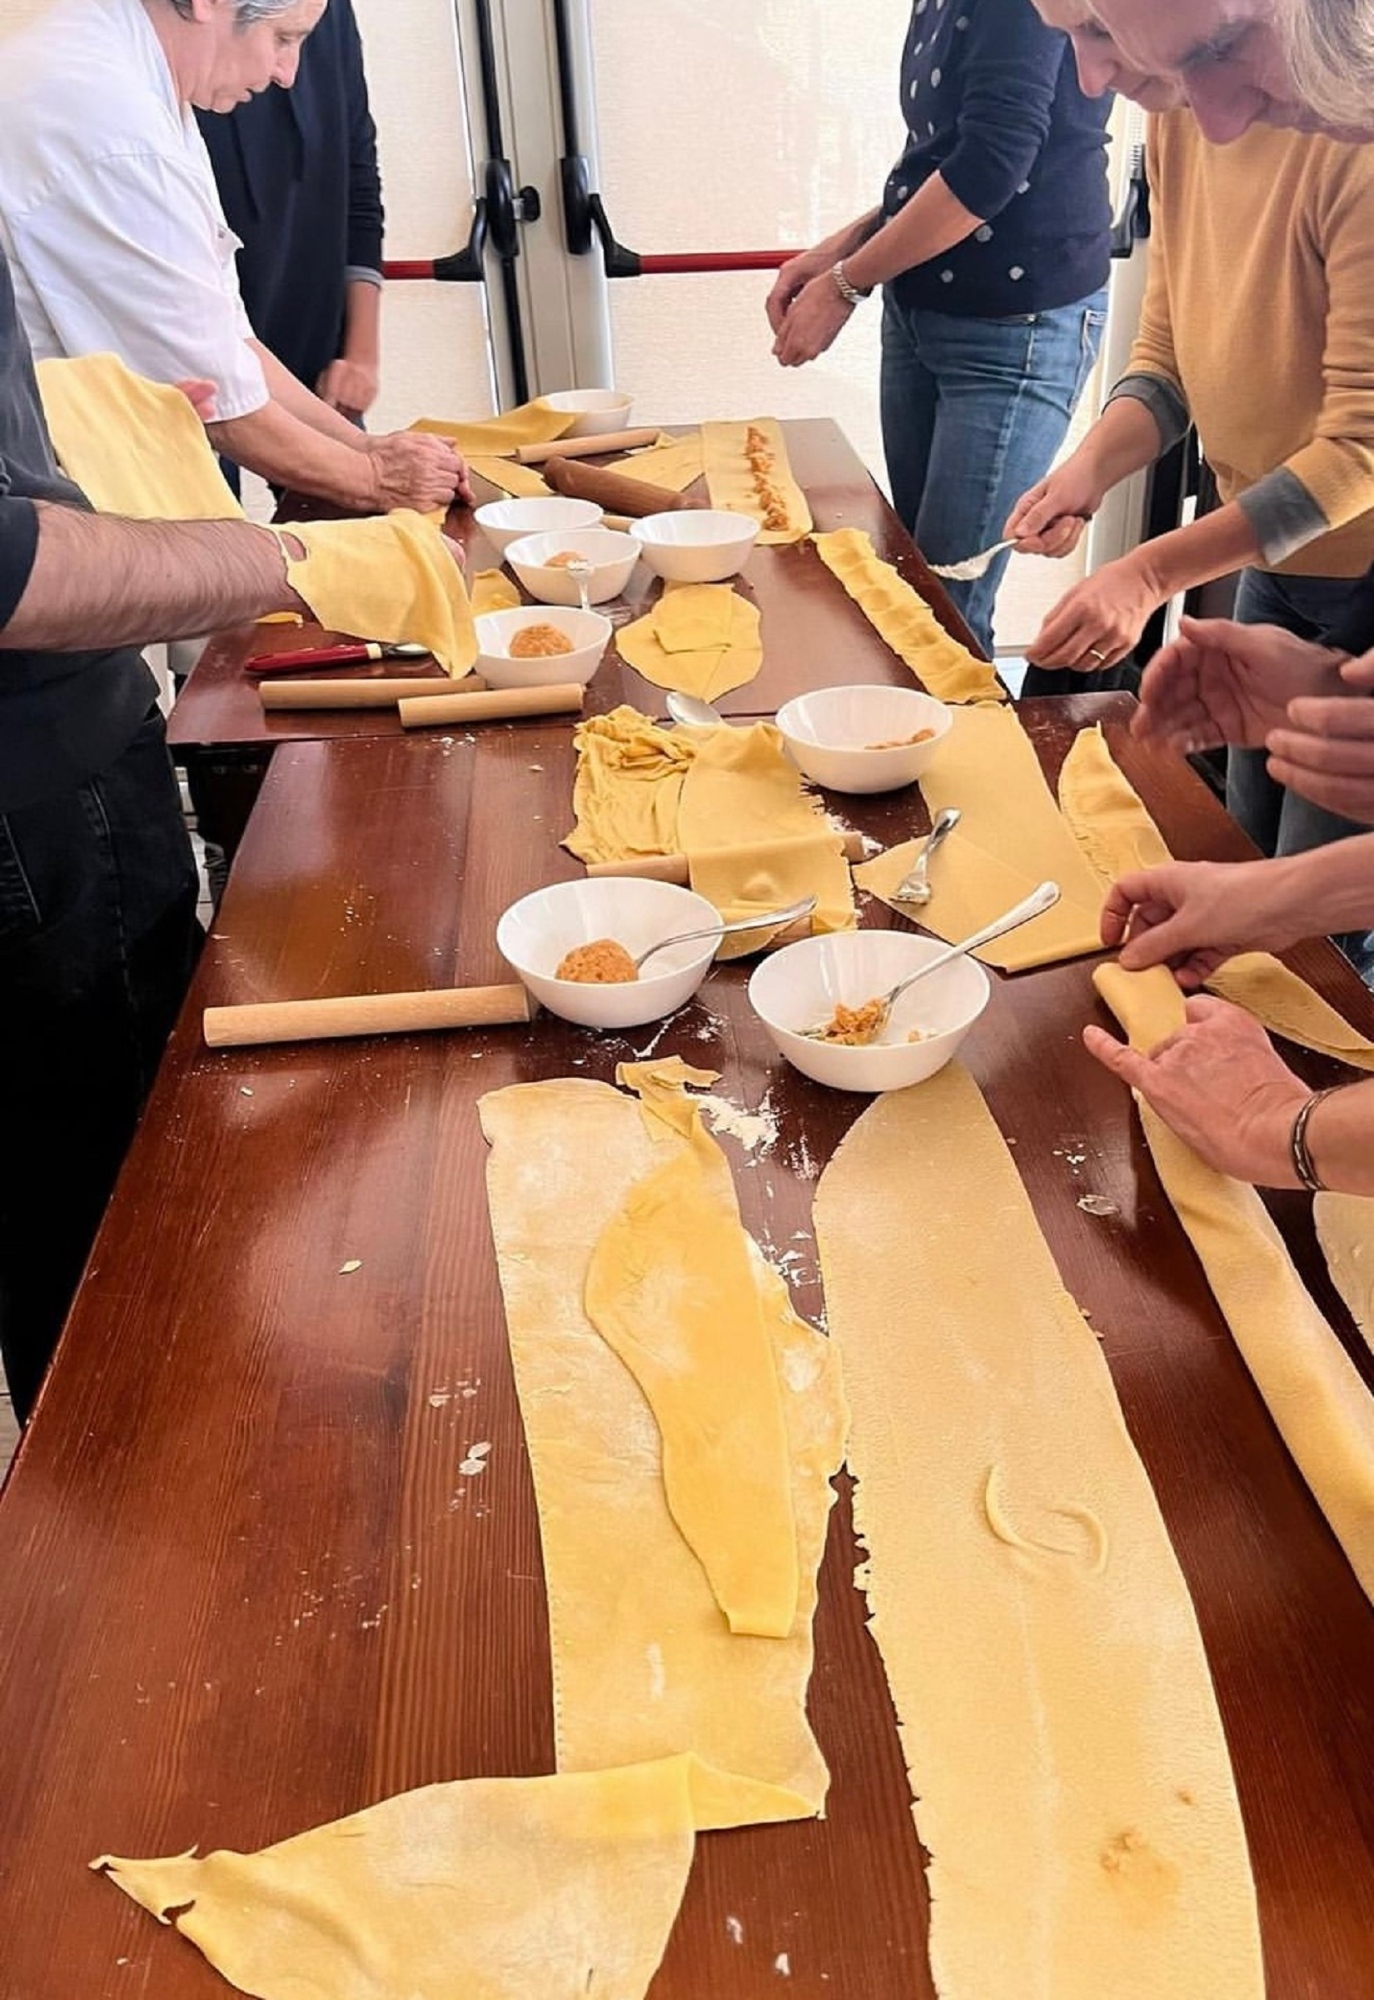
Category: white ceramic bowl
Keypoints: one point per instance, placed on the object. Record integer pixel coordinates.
(589, 632)
(535, 933)
(611, 556)
(506, 521)
(830, 736)
(696, 544)
(803, 983)
(598, 410)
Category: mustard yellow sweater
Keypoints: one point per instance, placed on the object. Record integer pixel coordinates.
(1259, 323)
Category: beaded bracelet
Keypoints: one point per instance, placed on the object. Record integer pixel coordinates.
(1297, 1144)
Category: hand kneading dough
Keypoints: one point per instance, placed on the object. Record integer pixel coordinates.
(1117, 834)
(670, 1287)
(1066, 1756)
(485, 1889)
(134, 447)
(390, 577)
(901, 616)
(644, 1665)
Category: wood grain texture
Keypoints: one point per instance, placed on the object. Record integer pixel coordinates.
(244, 1587)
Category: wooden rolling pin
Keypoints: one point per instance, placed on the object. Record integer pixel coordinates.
(616, 492)
(589, 447)
(365, 1014)
(362, 694)
(673, 867)
(497, 705)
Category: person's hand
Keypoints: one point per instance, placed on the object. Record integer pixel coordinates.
(1324, 748)
(795, 275)
(1049, 520)
(201, 396)
(349, 386)
(1220, 682)
(1193, 915)
(415, 469)
(1219, 1084)
(1099, 621)
(815, 316)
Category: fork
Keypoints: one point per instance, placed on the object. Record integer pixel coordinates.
(914, 887)
(972, 567)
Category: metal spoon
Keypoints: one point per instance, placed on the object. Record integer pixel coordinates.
(772, 920)
(972, 567)
(914, 886)
(696, 714)
(580, 571)
(1035, 905)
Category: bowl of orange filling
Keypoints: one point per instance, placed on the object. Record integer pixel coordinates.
(574, 944)
(541, 563)
(539, 645)
(863, 739)
(837, 985)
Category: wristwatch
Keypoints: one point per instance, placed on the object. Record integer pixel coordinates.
(851, 294)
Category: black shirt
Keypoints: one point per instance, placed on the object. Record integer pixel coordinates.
(991, 99)
(63, 716)
(297, 175)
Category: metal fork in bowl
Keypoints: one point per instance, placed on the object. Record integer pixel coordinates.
(914, 887)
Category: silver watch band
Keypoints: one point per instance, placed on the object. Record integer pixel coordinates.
(851, 294)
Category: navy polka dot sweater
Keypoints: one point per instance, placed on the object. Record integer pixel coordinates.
(991, 99)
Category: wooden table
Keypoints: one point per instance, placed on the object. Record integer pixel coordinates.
(813, 637)
(238, 1595)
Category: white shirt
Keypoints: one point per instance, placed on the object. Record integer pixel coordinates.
(109, 213)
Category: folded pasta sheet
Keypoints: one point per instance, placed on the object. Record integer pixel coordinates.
(901, 616)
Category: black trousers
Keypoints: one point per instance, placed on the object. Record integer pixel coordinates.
(98, 938)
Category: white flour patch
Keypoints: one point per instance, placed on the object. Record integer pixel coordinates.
(658, 1678)
(734, 1930)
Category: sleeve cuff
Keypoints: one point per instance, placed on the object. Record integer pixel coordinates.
(1162, 400)
(362, 274)
(18, 550)
(1283, 514)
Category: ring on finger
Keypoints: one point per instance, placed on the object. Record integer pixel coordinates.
(1096, 653)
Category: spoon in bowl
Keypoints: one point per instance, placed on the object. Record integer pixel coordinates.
(580, 570)
(1035, 905)
(771, 920)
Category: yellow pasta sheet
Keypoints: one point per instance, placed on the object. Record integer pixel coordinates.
(484, 1889)
(700, 638)
(1058, 1721)
(729, 799)
(1116, 832)
(392, 578)
(492, 590)
(499, 437)
(134, 447)
(644, 1662)
(901, 616)
(1011, 837)
(521, 482)
(748, 472)
(1345, 1230)
(1314, 1393)
(674, 463)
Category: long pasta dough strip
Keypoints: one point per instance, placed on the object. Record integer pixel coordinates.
(1313, 1390)
(1010, 837)
(1118, 836)
(644, 1664)
(748, 472)
(1058, 1721)
(900, 615)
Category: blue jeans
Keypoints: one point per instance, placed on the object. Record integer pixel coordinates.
(1277, 820)
(98, 936)
(974, 411)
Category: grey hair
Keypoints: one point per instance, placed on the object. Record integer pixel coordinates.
(246, 12)
(1330, 48)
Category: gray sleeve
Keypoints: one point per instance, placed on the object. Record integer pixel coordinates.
(1170, 412)
(1283, 514)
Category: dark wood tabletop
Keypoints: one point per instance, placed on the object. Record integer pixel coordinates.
(238, 1596)
(813, 636)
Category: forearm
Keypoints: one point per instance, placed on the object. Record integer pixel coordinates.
(98, 581)
(286, 452)
(845, 241)
(931, 223)
(1125, 439)
(1324, 891)
(1212, 547)
(304, 405)
(362, 338)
